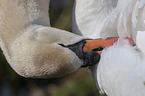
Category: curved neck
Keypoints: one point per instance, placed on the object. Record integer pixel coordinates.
(16, 15)
(43, 18)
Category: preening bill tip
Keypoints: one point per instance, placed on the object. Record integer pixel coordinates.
(99, 44)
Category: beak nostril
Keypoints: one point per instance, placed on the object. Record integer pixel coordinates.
(98, 49)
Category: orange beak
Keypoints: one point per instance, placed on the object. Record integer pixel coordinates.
(99, 44)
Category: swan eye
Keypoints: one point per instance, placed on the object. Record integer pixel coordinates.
(98, 49)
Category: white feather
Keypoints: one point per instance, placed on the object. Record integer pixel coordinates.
(121, 70)
(90, 16)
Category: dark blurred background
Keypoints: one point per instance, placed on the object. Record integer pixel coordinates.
(79, 83)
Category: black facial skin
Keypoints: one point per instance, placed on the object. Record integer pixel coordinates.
(89, 58)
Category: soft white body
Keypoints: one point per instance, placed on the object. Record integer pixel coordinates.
(121, 70)
(90, 16)
(30, 45)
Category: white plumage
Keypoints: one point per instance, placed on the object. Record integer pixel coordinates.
(90, 16)
(121, 70)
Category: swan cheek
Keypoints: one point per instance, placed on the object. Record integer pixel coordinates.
(35, 59)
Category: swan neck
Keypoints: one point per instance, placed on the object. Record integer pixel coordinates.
(17, 15)
(43, 18)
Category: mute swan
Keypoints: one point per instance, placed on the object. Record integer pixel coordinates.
(121, 69)
(33, 48)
